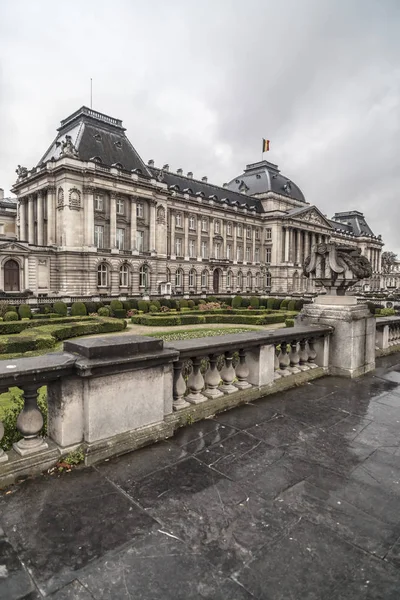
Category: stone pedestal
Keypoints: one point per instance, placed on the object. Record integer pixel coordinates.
(352, 344)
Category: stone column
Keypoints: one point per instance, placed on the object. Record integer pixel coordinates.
(253, 258)
(307, 243)
(210, 242)
(186, 241)
(298, 244)
(223, 233)
(51, 229)
(40, 218)
(198, 240)
(287, 242)
(152, 226)
(172, 249)
(31, 224)
(133, 231)
(234, 242)
(89, 215)
(113, 221)
(22, 219)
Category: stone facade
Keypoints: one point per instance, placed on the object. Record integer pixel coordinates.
(94, 220)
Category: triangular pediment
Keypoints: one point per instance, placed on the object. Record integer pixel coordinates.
(311, 215)
(11, 247)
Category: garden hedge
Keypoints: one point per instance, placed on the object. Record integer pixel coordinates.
(60, 308)
(189, 319)
(24, 311)
(10, 327)
(78, 309)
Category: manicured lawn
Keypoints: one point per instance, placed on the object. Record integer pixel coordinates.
(188, 334)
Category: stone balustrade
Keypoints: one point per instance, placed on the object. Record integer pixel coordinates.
(387, 335)
(114, 394)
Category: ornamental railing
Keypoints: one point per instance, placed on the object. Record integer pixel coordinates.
(387, 334)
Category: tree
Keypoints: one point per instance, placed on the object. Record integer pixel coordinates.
(388, 260)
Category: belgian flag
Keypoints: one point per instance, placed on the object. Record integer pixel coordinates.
(265, 145)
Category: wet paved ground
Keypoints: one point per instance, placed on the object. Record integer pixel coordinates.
(294, 497)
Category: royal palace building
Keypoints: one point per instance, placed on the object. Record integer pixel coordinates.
(94, 219)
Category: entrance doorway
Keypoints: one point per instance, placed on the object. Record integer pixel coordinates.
(11, 276)
(216, 280)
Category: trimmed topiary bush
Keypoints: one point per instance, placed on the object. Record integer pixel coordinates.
(255, 302)
(245, 302)
(153, 308)
(78, 309)
(24, 311)
(103, 311)
(60, 308)
(116, 305)
(183, 303)
(173, 304)
(133, 303)
(191, 304)
(119, 313)
(237, 302)
(387, 312)
(289, 322)
(143, 305)
(165, 302)
(90, 307)
(284, 304)
(291, 305)
(11, 316)
(299, 304)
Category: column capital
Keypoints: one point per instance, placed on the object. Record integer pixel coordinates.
(88, 189)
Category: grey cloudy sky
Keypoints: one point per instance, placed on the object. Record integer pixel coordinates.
(199, 83)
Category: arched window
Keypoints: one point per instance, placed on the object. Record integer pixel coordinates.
(124, 276)
(267, 279)
(249, 281)
(240, 280)
(204, 279)
(144, 276)
(229, 279)
(258, 280)
(179, 278)
(11, 276)
(102, 275)
(192, 278)
(168, 274)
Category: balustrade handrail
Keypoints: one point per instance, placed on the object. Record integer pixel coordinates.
(35, 370)
(222, 343)
(382, 321)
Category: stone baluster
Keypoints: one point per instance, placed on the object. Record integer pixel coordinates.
(303, 356)
(195, 383)
(212, 378)
(228, 375)
(284, 360)
(312, 355)
(3, 455)
(30, 423)
(242, 372)
(179, 387)
(277, 374)
(294, 357)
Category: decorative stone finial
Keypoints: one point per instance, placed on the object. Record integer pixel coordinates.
(336, 267)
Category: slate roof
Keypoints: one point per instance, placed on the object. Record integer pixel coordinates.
(96, 135)
(352, 220)
(221, 194)
(262, 177)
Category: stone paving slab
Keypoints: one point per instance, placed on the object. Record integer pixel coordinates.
(296, 496)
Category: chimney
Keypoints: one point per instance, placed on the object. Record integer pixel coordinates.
(225, 185)
(180, 171)
(165, 168)
(189, 175)
(204, 179)
(1, 194)
(151, 163)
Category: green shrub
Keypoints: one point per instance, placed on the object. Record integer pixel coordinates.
(103, 311)
(299, 305)
(188, 319)
(90, 307)
(10, 416)
(255, 302)
(24, 311)
(237, 302)
(60, 308)
(183, 303)
(119, 313)
(284, 304)
(165, 302)
(115, 305)
(272, 319)
(3, 308)
(289, 322)
(263, 302)
(153, 308)
(211, 299)
(271, 303)
(78, 309)
(245, 302)
(291, 305)
(143, 305)
(11, 316)
(156, 303)
(133, 303)
(191, 304)
(167, 321)
(387, 312)
(173, 304)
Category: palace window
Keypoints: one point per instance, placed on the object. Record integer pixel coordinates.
(178, 220)
(258, 280)
(144, 276)
(140, 240)
(229, 279)
(98, 202)
(204, 279)
(268, 279)
(268, 234)
(239, 230)
(257, 255)
(248, 253)
(217, 250)
(204, 250)
(102, 275)
(257, 234)
(229, 229)
(249, 280)
(168, 274)
(217, 227)
(139, 210)
(124, 276)
(239, 253)
(120, 239)
(192, 249)
(229, 252)
(99, 236)
(179, 278)
(192, 278)
(120, 206)
(192, 222)
(178, 247)
(268, 256)
(204, 224)
(248, 233)
(1, 228)
(240, 280)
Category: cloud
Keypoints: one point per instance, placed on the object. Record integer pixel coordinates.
(199, 84)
